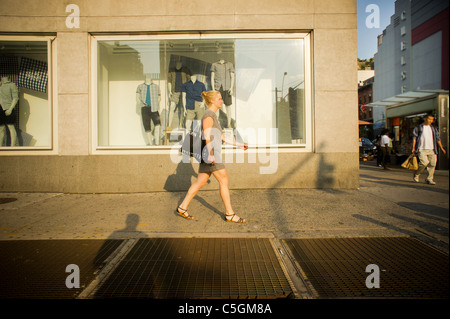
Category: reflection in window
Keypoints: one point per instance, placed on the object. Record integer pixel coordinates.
(149, 92)
(270, 87)
(25, 118)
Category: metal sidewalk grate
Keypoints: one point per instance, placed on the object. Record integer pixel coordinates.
(336, 268)
(37, 268)
(191, 268)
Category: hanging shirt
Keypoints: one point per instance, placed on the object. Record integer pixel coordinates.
(174, 78)
(222, 75)
(152, 99)
(193, 93)
(8, 93)
(178, 81)
(33, 74)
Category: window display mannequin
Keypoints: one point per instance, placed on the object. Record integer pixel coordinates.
(192, 100)
(176, 77)
(148, 97)
(222, 80)
(9, 96)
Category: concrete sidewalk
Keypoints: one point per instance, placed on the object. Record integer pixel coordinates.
(387, 203)
(297, 244)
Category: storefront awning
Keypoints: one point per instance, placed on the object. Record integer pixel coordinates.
(412, 102)
(408, 97)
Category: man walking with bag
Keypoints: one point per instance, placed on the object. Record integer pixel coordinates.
(426, 140)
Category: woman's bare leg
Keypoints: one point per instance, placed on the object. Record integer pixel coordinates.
(193, 190)
(222, 178)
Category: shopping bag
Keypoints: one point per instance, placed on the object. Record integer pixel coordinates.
(411, 163)
(193, 145)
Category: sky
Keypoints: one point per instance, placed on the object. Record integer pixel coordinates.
(372, 23)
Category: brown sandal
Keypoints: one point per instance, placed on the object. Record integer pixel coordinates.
(233, 220)
(184, 213)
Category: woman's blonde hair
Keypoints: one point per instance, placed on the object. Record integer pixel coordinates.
(208, 96)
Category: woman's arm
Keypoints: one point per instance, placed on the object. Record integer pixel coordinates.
(207, 125)
(234, 143)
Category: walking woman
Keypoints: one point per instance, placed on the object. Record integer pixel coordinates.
(213, 136)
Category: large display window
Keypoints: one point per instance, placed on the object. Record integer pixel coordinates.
(25, 113)
(149, 90)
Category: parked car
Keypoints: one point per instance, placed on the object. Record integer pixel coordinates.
(367, 146)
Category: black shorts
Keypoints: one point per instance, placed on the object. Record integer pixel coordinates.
(226, 96)
(148, 115)
(7, 119)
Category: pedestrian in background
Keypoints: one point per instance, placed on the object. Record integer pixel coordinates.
(379, 152)
(384, 144)
(426, 140)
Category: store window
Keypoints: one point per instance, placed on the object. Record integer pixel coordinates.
(25, 114)
(149, 91)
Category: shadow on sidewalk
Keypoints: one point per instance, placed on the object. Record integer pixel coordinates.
(324, 182)
(129, 231)
(425, 237)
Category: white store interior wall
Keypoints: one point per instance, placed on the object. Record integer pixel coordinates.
(259, 68)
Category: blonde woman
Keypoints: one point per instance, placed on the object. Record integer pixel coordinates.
(213, 136)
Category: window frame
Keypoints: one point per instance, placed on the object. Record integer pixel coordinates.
(38, 150)
(96, 149)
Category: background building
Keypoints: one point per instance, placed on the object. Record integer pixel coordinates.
(83, 122)
(411, 68)
(365, 97)
(413, 49)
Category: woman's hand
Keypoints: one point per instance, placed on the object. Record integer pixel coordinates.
(211, 159)
(234, 143)
(243, 146)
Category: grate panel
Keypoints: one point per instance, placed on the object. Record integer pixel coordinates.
(336, 267)
(190, 268)
(37, 268)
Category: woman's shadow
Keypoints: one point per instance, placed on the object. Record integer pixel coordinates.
(113, 246)
(181, 181)
(116, 238)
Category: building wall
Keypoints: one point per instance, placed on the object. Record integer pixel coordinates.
(363, 75)
(423, 10)
(365, 94)
(392, 77)
(425, 55)
(430, 32)
(71, 165)
(427, 62)
(384, 62)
